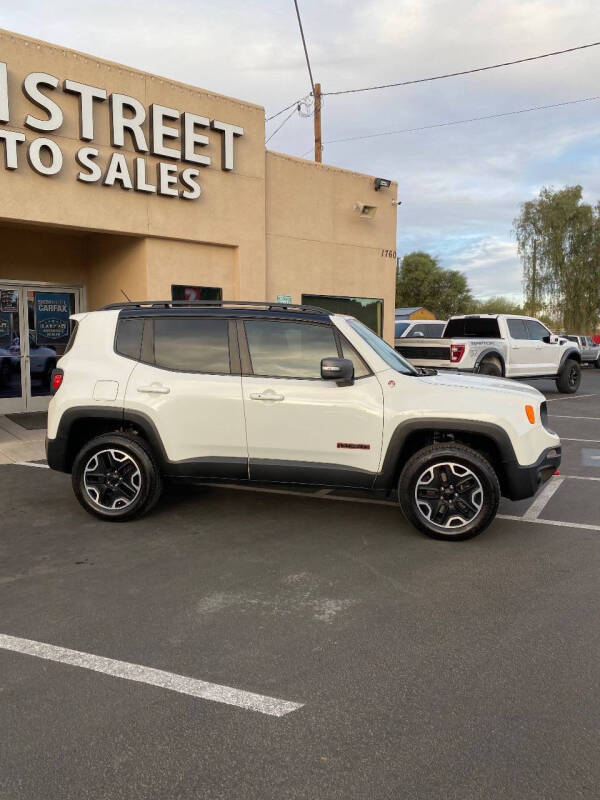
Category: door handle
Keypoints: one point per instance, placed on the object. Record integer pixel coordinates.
(269, 396)
(154, 388)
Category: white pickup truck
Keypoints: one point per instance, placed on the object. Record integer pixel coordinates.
(590, 351)
(502, 345)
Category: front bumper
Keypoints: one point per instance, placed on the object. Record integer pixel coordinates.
(522, 482)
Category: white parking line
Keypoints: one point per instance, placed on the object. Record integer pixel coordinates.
(566, 416)
(153, 677)
(566, 439)
(31, 464)
(557, 523)
(543, 498)
(580, 477)
(571, 397)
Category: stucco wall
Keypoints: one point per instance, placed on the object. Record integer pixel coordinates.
(317, 243)
(32, 254)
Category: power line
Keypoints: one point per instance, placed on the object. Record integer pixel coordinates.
(463, 72)
(457, 122)
(312, 83)
(287, 108)
(281, 126)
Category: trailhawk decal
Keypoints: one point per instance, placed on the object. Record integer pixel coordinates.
(353, 446)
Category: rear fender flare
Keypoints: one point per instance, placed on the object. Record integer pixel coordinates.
(490, 351)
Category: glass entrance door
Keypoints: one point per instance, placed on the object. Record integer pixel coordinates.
(35, 327)
(12, 330)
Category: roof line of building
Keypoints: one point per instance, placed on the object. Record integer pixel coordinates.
(305, 162)
(133, 70)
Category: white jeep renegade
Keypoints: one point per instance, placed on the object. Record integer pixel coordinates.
(265, 392)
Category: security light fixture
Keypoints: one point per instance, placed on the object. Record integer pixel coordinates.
(364, 211)
(382, 183)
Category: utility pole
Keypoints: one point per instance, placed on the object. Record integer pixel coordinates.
(318, 142)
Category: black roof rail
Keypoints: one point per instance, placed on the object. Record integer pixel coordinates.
(215, 304)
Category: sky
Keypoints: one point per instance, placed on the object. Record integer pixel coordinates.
(461, 186)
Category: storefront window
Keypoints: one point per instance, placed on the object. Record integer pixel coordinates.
(367, 309)
(196, 293)
(49, 333)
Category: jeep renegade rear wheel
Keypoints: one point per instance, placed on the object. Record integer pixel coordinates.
(449, 491)
(116, 478)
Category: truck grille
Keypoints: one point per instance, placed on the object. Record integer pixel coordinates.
(437, 353)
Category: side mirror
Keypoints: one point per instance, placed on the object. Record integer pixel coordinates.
(337, 369)
(552, 339)
(416, 335)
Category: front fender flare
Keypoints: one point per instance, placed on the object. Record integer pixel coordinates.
(496, 433)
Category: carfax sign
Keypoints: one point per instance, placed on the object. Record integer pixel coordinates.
(52, 311)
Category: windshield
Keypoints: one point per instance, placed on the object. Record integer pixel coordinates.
(400, 327)
(383, 350)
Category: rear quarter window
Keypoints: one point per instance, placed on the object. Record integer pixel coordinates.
(128, 342)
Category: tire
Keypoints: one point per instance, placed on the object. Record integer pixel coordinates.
(569, 377)
(597, 363)
(476, 505)
(134, 480)
(491, 365)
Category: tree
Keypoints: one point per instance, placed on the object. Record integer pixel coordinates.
(558, 237)
(496, 305)
(421, 281)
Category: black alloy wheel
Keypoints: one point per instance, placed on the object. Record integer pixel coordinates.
(569, 377)
(115, 477)
(449, 491)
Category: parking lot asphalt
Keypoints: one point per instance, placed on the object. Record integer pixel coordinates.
(421, 669)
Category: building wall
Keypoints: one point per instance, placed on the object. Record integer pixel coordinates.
(273, 225)
(34, 254)
(317, 243)
(117, 267)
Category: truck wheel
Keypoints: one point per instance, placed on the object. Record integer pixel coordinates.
(491, 366)
(449, 491)
(569, 377)
(597, 363)
(115, 477)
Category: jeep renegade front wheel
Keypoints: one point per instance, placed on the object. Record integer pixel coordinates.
(449, 491)
(116, 478)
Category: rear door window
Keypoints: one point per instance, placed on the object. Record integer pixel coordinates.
(517, 329)
(192, 344)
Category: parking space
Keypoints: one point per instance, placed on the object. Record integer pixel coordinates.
(416, 668)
